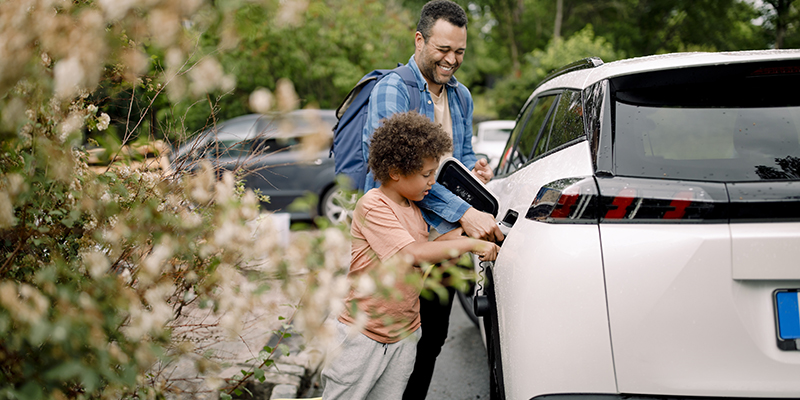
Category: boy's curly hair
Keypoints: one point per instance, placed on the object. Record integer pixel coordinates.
(403, 142)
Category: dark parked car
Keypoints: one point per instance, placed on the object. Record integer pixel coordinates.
(269, 151)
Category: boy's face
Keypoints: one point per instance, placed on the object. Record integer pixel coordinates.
(415, 186)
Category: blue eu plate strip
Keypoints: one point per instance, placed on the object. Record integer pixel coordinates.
(788, 315)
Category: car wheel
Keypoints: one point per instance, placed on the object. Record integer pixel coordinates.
(337, 206)
(496, 390)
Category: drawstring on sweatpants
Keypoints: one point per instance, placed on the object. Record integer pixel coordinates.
(385, 346)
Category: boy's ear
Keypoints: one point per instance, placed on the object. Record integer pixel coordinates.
(394, 175)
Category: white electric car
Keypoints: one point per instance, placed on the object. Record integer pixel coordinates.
(655, 251)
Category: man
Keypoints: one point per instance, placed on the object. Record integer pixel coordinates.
(440, 43)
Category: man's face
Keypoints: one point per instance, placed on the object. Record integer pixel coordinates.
(440, 58)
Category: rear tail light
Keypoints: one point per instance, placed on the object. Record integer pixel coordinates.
(566, 200)
(620, 200)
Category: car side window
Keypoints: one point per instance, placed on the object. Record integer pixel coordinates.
(568, 122)
(544, 125)
(528, 134)
(564, 125)
(505, 157)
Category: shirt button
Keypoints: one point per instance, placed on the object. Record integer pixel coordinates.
(429, 102)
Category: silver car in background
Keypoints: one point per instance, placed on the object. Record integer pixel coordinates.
(490, 139)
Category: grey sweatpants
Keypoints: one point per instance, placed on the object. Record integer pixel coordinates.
(364, 369)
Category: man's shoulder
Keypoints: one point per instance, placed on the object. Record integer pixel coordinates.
(392, 81)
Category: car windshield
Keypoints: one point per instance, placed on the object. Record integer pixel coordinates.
(734, 131)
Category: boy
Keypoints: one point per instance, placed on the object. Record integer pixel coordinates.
(390, 241)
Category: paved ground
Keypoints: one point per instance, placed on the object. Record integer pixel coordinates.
(461, 371)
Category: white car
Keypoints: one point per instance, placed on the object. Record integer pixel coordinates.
(656, 252)
(490, 139)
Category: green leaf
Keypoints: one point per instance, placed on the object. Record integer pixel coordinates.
(258, 373)
(225, 396)
(31, 391)
(284, 349)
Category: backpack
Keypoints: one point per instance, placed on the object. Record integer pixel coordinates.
(352, 115)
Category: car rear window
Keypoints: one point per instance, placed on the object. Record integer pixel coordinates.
(741, 126)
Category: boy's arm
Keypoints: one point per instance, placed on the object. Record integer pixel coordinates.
(439, 250)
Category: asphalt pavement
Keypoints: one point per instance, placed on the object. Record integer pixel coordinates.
(461, 371)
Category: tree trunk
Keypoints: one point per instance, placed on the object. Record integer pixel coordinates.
(782, 10)
(559, 17)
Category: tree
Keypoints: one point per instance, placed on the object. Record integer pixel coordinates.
(102, 274)
(510, 95)
(782, 20)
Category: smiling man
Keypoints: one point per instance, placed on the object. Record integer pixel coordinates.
(440, 43)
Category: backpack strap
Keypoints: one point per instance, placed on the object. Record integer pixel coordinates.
(410, 80)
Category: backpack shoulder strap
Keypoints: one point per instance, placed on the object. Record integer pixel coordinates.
(462, 97)
(410, 80)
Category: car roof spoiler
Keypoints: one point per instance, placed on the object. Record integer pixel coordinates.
(589, 62)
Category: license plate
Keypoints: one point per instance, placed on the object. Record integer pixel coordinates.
(787, 318)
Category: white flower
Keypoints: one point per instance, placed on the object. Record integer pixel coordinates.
(91, 109)
(102, 122)
(69, 74)
(261, 100)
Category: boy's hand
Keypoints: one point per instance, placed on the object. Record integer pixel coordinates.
(486, 251)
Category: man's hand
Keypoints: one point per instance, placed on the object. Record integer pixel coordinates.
(480, 225)
(482, 171)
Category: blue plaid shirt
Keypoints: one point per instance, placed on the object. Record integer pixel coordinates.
(440, 208)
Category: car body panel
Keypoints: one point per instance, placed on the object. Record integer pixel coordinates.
(516, 191)
(660, 277)
(765, 251)
(577, 289)
(546, 280)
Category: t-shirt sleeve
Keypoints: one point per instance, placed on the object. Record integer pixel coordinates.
(383, 231)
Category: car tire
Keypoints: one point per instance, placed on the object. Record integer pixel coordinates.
(496, 389)
(337, 206)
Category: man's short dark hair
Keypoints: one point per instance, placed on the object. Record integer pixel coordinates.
(440, 9)
(403, 142)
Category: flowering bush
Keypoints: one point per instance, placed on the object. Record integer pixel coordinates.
(110, 282)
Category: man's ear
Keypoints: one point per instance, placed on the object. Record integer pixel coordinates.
(419, 41)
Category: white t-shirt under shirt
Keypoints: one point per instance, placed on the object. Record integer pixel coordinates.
(441, 115)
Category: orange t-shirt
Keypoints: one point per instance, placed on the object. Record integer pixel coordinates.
(380, 229)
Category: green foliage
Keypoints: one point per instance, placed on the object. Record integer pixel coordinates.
(329, 48)
(510, 94)
(106, 270)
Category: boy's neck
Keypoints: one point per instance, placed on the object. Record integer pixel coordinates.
(393, 195)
